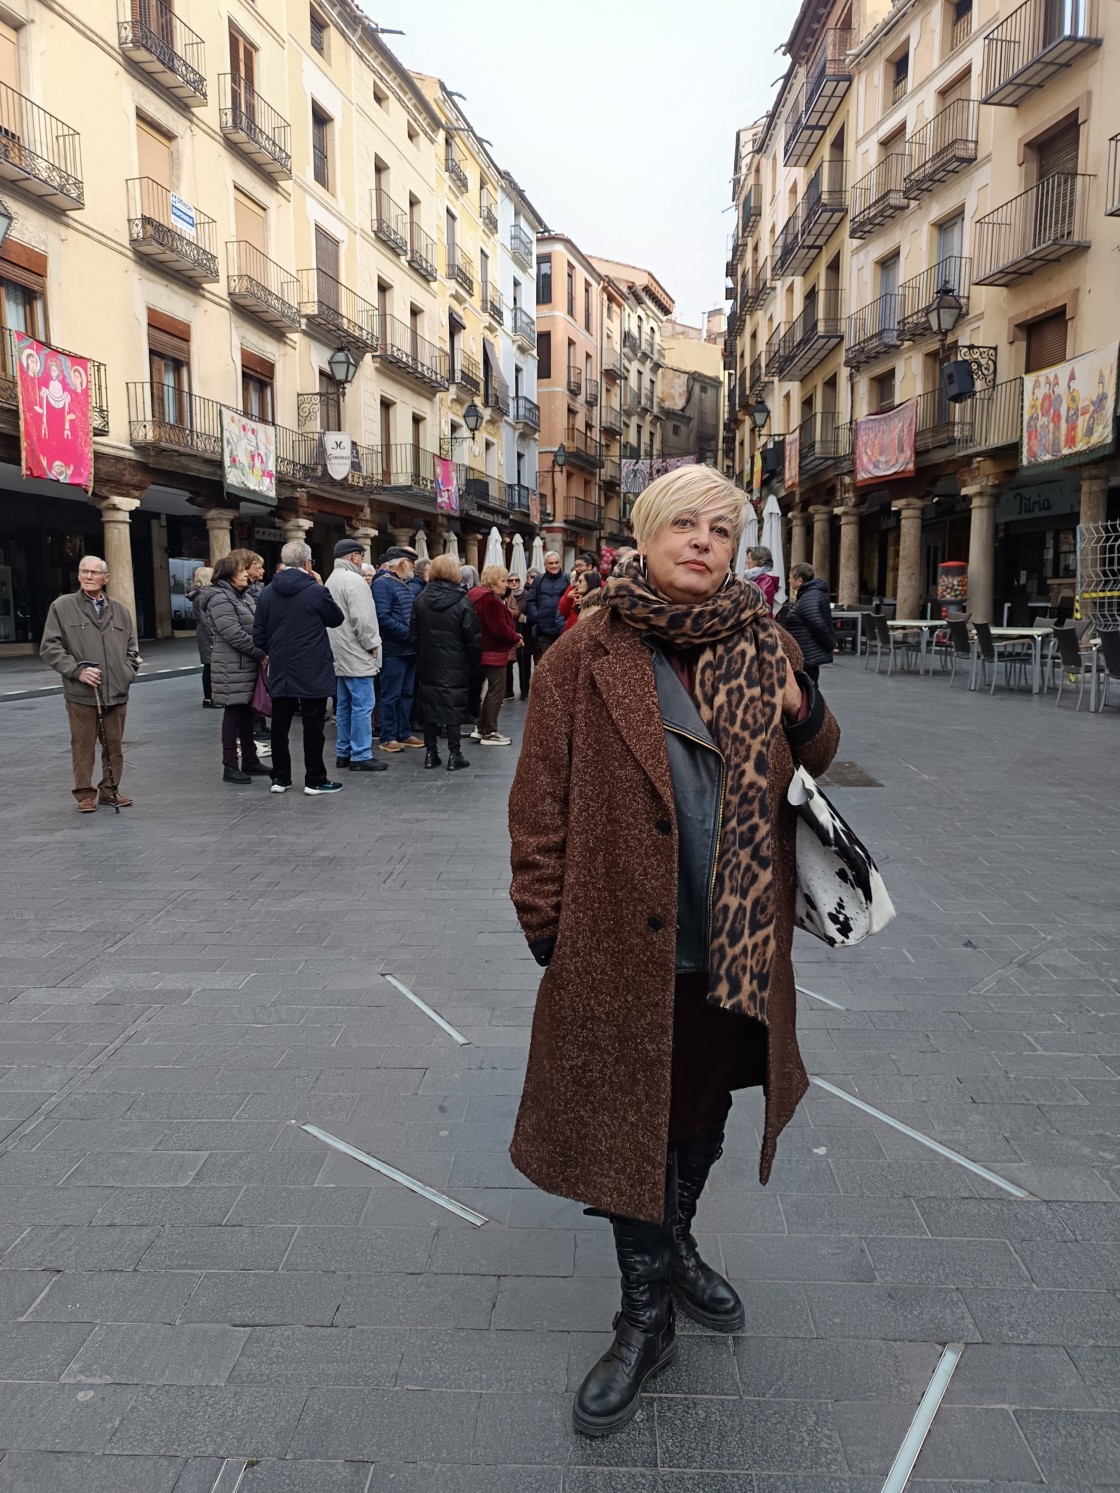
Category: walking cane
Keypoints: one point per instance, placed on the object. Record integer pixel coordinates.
(103, 737)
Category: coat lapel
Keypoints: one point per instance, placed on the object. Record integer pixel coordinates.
(624, 675)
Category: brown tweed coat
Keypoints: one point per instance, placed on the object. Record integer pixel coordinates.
(593, 869)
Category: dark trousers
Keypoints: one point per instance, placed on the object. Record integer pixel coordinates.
(237, 726)
(313, 713)
(83, 746)
(454, 737)
(814, 672)
(524, 666)
(492, 700)
(206, 681)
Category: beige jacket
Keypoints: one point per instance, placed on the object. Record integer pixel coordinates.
(74, 637)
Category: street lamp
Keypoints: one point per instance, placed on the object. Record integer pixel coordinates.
(760, 414)
(944, 313)
(343, 366)
(559, 457)
(473, 417)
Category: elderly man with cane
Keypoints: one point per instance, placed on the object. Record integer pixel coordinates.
(89, 639)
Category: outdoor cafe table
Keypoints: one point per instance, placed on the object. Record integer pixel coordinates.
(927, 626)
(857, 618)
(1033, 635)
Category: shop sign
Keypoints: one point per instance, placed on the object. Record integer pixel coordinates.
(338, 453)
(183, 216)
(268, 533)
(1044, 501)
(54, 416)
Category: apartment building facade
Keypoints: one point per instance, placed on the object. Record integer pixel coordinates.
(982, 172)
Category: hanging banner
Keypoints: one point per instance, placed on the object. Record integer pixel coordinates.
(248, 458)
(56, 442)
(447, 485)
(338, 454)
(638, 473)
(535, 509)
(793, 459)
(886, 445)
(756, 475)
(1069, 411)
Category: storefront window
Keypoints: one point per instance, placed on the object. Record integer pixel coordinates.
(1061, 554)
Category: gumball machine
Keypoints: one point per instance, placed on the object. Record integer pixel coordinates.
(952, 586)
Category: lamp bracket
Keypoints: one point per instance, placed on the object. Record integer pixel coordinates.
(981, 362)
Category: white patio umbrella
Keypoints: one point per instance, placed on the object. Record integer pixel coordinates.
(451, 543)
(536, 558)
(517, 566)
(421, 545)
(495, 555)
(748, 541)
(772, 539)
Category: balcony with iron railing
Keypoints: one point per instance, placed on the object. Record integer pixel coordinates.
(591, 391)
(455, 170)
(947, 144)
(995, 418)
(390, 221)
(773, 351)
(815, 218)
(479, 487)
(9, 382)
(631, 344)
(809, 340)
(150, 34)
(612, 365)
(1112, 202)
(919, 295)
(409, 471)
(611, 473)
(583, 450)
(825, 444)
(526, 412)
(827, 80)
(460, 272)
(873, 330)
(760, 286)
(649, 399)
(523, 326)
(492, 303)
(521, 247)
(333, 311)
(750, 214)
(741, 306)
(742, 395)
(164, 418)
(173, 233)
(612, 419)
(486, 210)
(261, 287)
(38, 153)
(573, 380)
(465, 372)
(633, 401)
(756, 379)
(1035, 44)
(961, 29)
(730, 353)
(254, 126)
(732, 255)
(422, 252)
(879, 196)
(940, 423)
(585, 513)
(520, 497)
(1045, 223)
(400, 345)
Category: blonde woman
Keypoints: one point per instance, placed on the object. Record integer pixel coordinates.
(499, 636)
(666, 725)
(203, 577)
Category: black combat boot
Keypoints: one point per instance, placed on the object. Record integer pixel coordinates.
(702, 1292)
(431, 757)
(644, 1340)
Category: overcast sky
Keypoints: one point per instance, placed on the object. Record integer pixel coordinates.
(617, 117)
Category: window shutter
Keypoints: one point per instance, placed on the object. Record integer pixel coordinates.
(1046, 342)
(169, 336)
(154, 151)
(249, 221)
(9, 58)
(1060, 152)
(326, 252)
(957, 91)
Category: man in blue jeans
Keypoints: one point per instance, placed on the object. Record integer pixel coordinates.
(393, 599)
(356, 647)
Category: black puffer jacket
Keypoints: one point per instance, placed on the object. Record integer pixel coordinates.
(201, 629)
(228, 614)
(447, 637)
(293, 614)
(542, 604)
(809, 620)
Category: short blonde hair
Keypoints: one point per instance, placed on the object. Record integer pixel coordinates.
(204, 576)
(494, 575)
(446, 568)
(686, 489)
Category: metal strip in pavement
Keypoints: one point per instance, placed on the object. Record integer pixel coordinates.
(925, 1140)
(421, 1188)
(824, 1000)
(922, 1423)
(427, 1010)
(231, 1475)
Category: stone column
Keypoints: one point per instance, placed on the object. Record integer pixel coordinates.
(1094, 495)
(365, 534)
(296, 529)
(822, 540)
(161, 578)
(403, 536)
(847, 591)
(982, 495)
(909, 600)
(219, 522)
(116, 520)
(799, 537)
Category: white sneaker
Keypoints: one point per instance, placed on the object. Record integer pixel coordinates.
(279, 787)
(476, 734)
(495, 739)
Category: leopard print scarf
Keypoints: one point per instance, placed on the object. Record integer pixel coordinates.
(738, 692)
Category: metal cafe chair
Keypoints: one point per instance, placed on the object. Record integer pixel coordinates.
(1014, 657)
(905, 645)
(1075, 663)
(963, 650)
(1110, 656)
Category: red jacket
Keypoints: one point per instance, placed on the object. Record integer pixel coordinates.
(499, 634)
(568, 608)
(768, 585)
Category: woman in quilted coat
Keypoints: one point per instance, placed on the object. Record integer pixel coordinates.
(235, 661)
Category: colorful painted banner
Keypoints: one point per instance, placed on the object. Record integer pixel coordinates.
(793, 460)
(756, 475)
(1069, 411)
(637, 474)
(447, 486)
(248, 458)
(56, 442)
(535, 509)
(886, 445)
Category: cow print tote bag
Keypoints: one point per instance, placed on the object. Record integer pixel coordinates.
(841, 897)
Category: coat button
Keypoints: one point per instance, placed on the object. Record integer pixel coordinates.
(655, 925)
(663, 827)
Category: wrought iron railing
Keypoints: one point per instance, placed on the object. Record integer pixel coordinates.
(455, 170)
(591, 391)
(574, 381)
(583, 511)
(401, 344)
(249, 119)
(466, 372)
(39, 151)
(825, 441)
(519, 496)
(808, 339)
(171, 229)
(757, 377)
(521, 246)
(153, 28)
(390, 221)
(995, 418)
(879, 196)
(486, 211)
(633, 401)
(1043, 224)
(874, 330)
(751, 211)
(611, 473)
(583, 449)
(631, 343)
(732, 254)
(774, 350)
(527, 411)
(952, 274)
(403, 466)
(760, 286)
(459, 268)
(337, 310)
(260, 282)
(613, 366)
(612, 418)
(826, 81)
(98, 382)
(320, 411)
(742, 392)
(940, 423)
(160, 415)
(492, 302)
(523, 326)
(1035, 43)
(948, 143)
(422, 252)
(962, 29)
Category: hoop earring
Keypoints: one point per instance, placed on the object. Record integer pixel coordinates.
(728, 580)
(642, 566)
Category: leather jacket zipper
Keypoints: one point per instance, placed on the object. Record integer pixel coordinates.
(699, 740)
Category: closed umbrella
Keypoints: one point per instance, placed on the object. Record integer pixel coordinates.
(772, 539)
(749, 540)
(451, 543)
(494, 552)
(421, 545)
(517, 567)
(536, 559)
